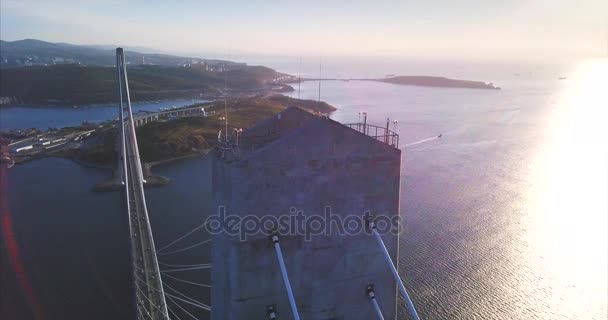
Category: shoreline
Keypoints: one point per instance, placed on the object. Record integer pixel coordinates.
(196, 154)
(111, 184)
(152, 180)
(249, 110)
(280, 89)
(88, 164)
(96, 105)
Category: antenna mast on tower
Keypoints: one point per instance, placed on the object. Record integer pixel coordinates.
(299, 76)
(319, 79)
(226, 101)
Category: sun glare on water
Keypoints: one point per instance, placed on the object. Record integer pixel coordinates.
(568, 198)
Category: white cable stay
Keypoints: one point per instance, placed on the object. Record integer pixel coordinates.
(183, 249)
(141, 302)
(180, 238)
(184, 310)
(152, 303)
(193, 302)
(207, 266)
(135, 266)
(410, 304)
(200, 267)
(140, 314)
(183, 265)
(201, 305)
(186, 281)
(292, 300)
(173, 313)
(372, 297)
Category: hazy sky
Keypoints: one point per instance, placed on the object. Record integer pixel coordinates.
(480, 29)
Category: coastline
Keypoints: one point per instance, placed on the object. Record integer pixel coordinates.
(66, 104)
(112, 184)
(194, 154)
(279, 88)
(189, 137)
(152, 180)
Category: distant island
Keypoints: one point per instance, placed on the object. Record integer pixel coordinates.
(442, 82)
(421, 81)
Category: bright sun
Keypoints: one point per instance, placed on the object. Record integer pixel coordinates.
(569, 193)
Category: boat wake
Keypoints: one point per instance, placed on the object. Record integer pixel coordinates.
(422, 141)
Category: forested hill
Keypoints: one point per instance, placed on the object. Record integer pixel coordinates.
(31, 52)
(75, 84)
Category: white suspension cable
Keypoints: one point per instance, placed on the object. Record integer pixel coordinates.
(152, 303)
(194, 303)
(180, 238)
(186, 297)
(208, 266)
(184, 310)
(410, 304)
(142, 293)
(186, 281)
(184, 249)
(140, 314)
(183, 265)
(141, 302)
(292, 300)
(173, 313)
(372, 297)
(202, 306)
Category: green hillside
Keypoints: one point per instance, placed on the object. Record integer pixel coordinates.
(74, 84)
(37, 52)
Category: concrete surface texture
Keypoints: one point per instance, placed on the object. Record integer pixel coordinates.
(308, 163)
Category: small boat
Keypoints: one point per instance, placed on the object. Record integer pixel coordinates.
(439, 136)
(562, 78)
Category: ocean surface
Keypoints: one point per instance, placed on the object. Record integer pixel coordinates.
(505, 214)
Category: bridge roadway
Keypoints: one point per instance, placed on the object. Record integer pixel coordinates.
(145, 262)
(142, 119)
